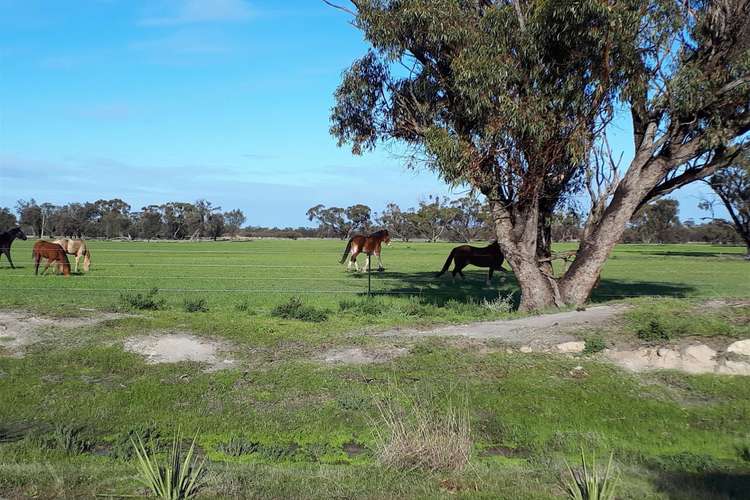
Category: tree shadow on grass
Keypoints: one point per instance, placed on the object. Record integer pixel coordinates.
(685, 253)
(611, 289)
(704, 484)
(438, 291)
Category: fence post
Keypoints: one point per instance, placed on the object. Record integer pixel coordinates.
(369, 269)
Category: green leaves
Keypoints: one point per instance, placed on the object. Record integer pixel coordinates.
(178, 479)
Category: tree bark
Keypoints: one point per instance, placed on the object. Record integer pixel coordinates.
(517, 237)
(583, 275)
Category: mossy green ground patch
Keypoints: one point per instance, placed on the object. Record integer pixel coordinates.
(310, 422)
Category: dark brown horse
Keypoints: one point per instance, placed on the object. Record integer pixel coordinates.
(6, 239)
(369, 245)
(53, 253)
(489, 256)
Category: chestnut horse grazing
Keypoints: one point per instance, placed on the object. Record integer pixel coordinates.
(6, 239)
(53, 253)
(368, 245)
(79, 249)
(489, 256)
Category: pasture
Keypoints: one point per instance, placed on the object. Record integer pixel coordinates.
(277, 419)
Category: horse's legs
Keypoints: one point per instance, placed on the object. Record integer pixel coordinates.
(380, 262)
(49, 261)
(6, 251)
(78, 256)
(489, 276)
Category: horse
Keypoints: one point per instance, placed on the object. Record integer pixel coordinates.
(489, 256)
(79, 249)
(365, 244)
(53, 253)
(6, 239)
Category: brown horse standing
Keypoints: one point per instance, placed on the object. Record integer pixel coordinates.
(489, 256)
(79, 249)
(368, 245)
(53, 253)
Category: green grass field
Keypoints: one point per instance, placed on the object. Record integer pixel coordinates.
(309, 425)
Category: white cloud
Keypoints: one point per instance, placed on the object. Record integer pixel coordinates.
(201, 11)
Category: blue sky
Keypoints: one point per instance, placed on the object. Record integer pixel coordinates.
(166, 100)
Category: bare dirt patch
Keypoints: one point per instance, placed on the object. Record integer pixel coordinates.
(689, 358)
(361, 356)
(19, 329)
(536, 332)
(178, 347)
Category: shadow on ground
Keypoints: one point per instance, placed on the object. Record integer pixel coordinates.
(704, 484)
(438, 291)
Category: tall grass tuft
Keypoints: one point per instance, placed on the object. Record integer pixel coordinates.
(421, 438)
(179, 479)
(589, 483)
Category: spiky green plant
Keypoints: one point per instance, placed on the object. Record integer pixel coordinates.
(179, 479)
(588, 483)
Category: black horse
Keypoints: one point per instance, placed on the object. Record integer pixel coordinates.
(6, 239)
(489, 256)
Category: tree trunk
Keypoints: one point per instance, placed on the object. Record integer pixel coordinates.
(583, 275)
(517, 237)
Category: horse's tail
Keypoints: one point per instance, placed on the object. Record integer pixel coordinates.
(447, 264)
(346, 251)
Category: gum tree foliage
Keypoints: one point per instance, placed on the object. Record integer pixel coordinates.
(732, 186)
(656, 222)
(510, 97)
(7, 219)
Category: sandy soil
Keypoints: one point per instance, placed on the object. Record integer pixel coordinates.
(19, 329)
(177, 347)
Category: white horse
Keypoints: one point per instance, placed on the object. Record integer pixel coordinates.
(79, 249)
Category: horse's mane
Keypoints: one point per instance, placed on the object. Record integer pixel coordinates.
(378, 233)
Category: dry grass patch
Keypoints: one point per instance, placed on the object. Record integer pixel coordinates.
(415, 436)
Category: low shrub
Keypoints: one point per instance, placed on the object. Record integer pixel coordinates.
(589, 483)
(363, 307)
(593, 345)
(294, 308)
(653, 332)
(179, 478)
(245, 307)
(237, 446)
(148, 301)
(503, 304)
(195, 305)
(68, 439)
(421, 438)
(149, 435)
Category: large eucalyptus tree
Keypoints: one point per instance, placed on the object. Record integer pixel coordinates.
(512, 98)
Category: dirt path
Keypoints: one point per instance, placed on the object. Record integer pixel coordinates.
(542, 330)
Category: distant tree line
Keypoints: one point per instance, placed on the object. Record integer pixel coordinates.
(467, 219)
(464, 219)
(116, 219)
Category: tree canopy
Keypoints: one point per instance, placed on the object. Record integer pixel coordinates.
(512, 98)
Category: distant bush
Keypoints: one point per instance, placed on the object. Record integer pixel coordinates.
(294, 308)
(150, 436)
(744, 452)
(654, 331)
(594, 345)
(364, 307)
(502, 304)
(245, 307)
(688, 462)
(68, 439)
(149, 301)
(237, 446)
(195, 305)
